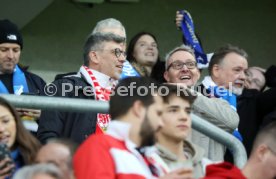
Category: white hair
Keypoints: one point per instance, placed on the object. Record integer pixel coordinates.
(183, 47)
(108, 23)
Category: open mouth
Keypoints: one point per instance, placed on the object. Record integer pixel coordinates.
(149, 54)
(119, 66)
(239, 85)
(185, 77)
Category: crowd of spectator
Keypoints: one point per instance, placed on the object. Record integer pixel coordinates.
(147, 132)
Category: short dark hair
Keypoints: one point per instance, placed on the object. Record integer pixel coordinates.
(120, 104)
(177, 90)
(96, 42)
(219, 55)
(266, 135)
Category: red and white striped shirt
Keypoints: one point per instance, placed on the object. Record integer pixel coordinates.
(110, 155)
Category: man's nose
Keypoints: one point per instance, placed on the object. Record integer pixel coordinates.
(183, 115)
(10, 54)
(122, 58)
(243, 75)
(184, 68)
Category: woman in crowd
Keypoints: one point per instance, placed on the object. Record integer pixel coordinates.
(18, 146)
(143, 54)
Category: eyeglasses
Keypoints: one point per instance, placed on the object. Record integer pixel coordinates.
(118, 52)
(177, 65)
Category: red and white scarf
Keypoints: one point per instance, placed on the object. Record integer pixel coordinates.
(102, 85)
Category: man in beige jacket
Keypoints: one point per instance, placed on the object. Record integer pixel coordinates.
(181, 68)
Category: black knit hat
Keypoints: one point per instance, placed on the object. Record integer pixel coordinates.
(9, 33)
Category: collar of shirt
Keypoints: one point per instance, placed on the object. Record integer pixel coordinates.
(120, 130)
(208, 82)
(104, 80)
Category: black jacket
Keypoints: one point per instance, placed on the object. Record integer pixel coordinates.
(253, 106)
(73, 125)
(35, 83)
(247, 110)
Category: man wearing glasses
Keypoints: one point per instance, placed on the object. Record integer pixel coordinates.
(181, 68)
(104, 56)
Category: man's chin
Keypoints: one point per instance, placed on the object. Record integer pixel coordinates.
(117, 76)
(237, 91)
(7, 70)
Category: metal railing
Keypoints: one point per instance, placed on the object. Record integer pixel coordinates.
(82, 105)
(219, 135)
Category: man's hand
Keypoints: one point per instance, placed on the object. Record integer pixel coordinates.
(178, 19)
(32, 113)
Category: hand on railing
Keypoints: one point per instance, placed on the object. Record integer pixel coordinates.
(28, 114)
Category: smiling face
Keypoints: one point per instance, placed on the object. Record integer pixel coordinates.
(183, 75)
(9, 57)
(231, 71)
(145, 51)
(109, 63)
(7, 127)
(176, 119)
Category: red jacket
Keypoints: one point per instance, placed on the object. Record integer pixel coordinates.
(110, 155)
(223, 171)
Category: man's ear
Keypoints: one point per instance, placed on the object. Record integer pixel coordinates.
(166, 76)
(93, 56)
(215, 71)
(138, 109)
(261, 151)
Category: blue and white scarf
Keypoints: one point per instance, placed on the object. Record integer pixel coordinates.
(188, 31)
(221, 92)
(128, 71)
(19, 83)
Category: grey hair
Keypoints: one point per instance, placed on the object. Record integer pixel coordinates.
(219, 55)
(108, 23)
(28, 172)
(96, 42)
(183, 47)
